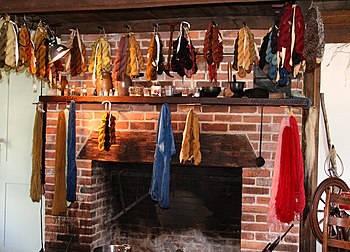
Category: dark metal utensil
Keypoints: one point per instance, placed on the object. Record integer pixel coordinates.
(260, 161)
(271, 246)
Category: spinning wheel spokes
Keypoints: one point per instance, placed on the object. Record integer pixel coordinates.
(317, 210)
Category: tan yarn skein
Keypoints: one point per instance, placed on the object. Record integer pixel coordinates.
(59, 204)
(10, 59)
(247, 56)
(3, 39)
(35, 180)
(253, 56)
(241, 37)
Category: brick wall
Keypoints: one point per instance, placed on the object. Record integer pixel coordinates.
(86, 222)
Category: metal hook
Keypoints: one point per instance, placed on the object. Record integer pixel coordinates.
(127, 28)
(186, 23)
(102, 30)
(108, 105)
(155, 27)
(39, 106)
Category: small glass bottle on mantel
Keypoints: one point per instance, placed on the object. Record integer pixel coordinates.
(72, 90)
(66, 90)
(105, 91)
(84, 91)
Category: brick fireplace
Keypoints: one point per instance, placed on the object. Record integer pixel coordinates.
(90, 221)
(85, 222)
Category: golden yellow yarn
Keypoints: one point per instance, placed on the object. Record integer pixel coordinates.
(136, 60)
(102, 56)
(106, 55)
(190, 148)
(92, 58)
(102, 132)
(35, 180)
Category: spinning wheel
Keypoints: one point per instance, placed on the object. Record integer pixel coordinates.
(318, 203)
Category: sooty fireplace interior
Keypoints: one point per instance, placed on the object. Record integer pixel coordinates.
(205, 211)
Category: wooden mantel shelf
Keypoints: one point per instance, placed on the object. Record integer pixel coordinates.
(303, 103)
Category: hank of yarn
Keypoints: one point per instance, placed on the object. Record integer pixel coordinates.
(59, 204)
(35, 180)
(71, 155)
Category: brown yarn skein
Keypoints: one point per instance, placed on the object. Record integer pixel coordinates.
(59, 204)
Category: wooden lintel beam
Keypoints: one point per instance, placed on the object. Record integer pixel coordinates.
(36, 6)
(225, 23)
(335, 34)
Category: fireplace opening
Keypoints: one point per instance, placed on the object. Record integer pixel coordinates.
(204, 215)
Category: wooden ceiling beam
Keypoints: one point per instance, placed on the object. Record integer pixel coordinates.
(37, 6)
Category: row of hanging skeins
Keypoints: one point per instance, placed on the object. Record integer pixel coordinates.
(245, 52)
(129, 60)
(18, 51)
(106, 132)
(76, 60)
(213, 50)
(23, 52)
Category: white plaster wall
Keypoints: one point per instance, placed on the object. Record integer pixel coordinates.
(335, 84)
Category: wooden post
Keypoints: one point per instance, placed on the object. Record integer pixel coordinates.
(312, 80)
